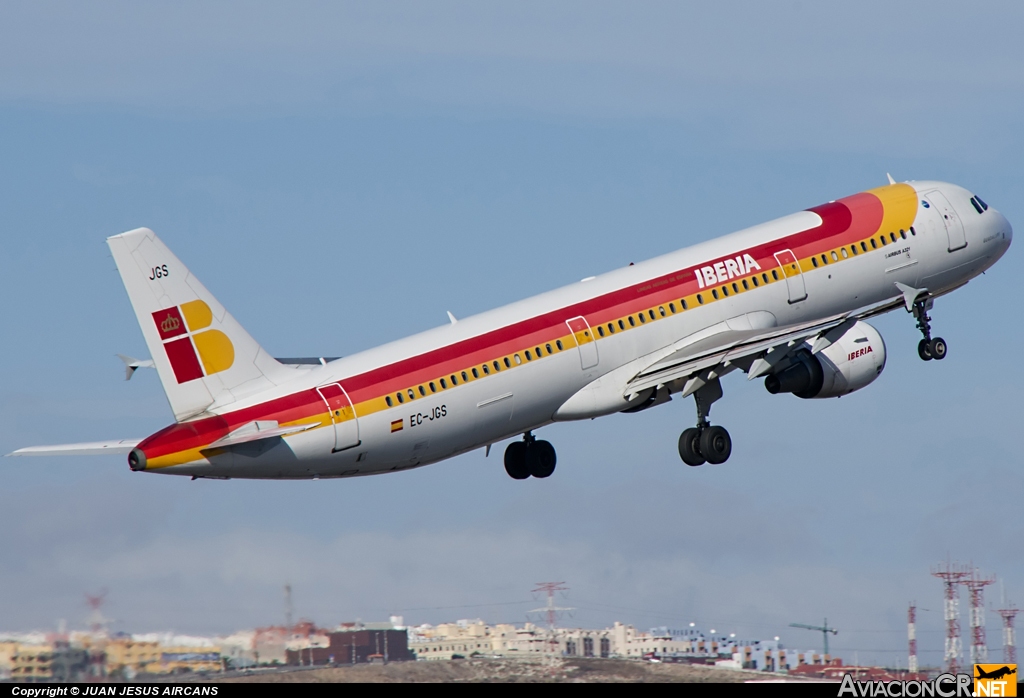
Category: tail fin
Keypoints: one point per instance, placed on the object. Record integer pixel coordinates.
(202, 354)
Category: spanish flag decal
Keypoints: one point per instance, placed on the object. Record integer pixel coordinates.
(396, 426)
(193, 354)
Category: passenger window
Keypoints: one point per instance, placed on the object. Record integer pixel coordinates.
(912, 231)
(622, 326)
(853, 248)
(465, 378)
(611, 328)
(537, 350)
(845, 253)
(661, 310)
(835, 257)
(700, 299)
(631, 323)
(764, 277)
(814, 261)
(685, 304)
(672, 308)
(558, 343)
(400, 398)
(903, 234)
(874, 245)
(775, 274)
(423, 391)
(548, 347)
(487, 371)
(387, 399)
(892, 236)
(412, 395)
(640, 316)
(508, 364)
(864, 247)
(455, 381)
(746, 287)
(600, 330)
(444, 384)
(714, 293)
(651, 313)
(497, 366)
(754, 279)
(725, 290)
(433, 388)
(735, 288)
(824, 260)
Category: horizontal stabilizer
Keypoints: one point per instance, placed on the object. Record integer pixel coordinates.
(94, 448)
(131, 364)
(254, 431)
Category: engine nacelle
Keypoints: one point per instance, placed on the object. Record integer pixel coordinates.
(849, 364)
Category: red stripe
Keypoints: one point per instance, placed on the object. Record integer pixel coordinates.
(843, 221)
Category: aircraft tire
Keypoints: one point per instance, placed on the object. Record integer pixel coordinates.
(937, 348)
(715, 445)
(541, 459)
(515, 461)
(689, 447)
(924, 350)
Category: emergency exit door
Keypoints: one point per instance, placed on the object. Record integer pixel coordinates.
(343, 416)
(794, 277)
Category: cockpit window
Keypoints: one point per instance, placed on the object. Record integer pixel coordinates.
(984, 206)
(976, 205)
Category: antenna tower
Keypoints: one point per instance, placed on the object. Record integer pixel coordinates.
(551, 611)
(288, 610)
(976, 588)
(952, 576)
(1009, 613)
(97, 623)
(912, 638)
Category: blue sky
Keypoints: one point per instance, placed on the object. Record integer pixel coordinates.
(341, 174)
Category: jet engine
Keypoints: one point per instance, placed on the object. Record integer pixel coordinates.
(849, 364)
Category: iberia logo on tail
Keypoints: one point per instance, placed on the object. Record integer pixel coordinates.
(193, 354)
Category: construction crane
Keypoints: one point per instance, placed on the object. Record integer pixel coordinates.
(823, 629)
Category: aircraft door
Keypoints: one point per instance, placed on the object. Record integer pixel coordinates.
(794, 277)
(954, 226)
(343, 415)
(585, 341)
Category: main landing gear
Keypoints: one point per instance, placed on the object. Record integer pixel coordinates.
(705, 443)
(928, 348)
(529, 457)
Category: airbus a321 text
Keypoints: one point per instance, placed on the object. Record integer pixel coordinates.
(786, 301)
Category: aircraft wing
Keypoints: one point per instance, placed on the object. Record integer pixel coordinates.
(84, 449)
(753, 352)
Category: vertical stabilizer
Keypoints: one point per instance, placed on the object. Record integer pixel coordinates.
(202, 354)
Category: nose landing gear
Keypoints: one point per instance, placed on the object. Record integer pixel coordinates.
(530, 457)
(928, 348)
(705, 443)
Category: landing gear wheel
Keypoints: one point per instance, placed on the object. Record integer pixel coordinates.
(515, 461)
(715, 444)
(937, 348)
(924, 350)
(540, 458)
(689, 447)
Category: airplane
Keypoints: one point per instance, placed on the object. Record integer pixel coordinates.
(785, 301)
(994, 674)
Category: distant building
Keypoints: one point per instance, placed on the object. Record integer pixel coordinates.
(354, 646)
